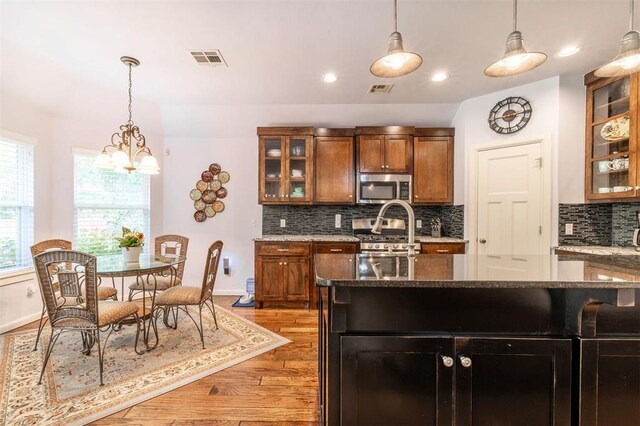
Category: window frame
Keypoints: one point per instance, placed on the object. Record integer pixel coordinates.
(22, 272)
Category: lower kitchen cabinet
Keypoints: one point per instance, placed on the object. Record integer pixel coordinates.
(610, 381)
(438, 380)
(283, 271)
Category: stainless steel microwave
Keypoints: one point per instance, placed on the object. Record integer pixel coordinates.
(378, 189)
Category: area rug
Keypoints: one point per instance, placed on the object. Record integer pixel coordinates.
(70, 393)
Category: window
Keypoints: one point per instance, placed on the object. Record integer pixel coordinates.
(104, 202)
(16, 204)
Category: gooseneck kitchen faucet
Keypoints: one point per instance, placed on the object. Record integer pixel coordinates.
(377, 227)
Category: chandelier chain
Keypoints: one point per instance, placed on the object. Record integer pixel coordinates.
(515, 15)
(395, 15)
(631, 15)
(130, 114)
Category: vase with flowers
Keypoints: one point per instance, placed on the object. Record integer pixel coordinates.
(131, 243)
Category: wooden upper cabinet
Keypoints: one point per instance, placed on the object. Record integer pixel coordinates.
(611, 152)
(385, 149)
(285, 165)
(371, 154)
(334, 170)
(432, 169)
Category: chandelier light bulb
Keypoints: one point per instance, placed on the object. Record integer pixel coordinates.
(395, 60)
(120, 159)
(149, 165)
(103, 161)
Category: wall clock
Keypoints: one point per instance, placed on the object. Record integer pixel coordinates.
(510, 115)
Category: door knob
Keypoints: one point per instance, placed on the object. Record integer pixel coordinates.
(483, 240)
(465, 361)
(447, 361)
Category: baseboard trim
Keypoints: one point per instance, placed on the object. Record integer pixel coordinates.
(229, 292)
(19, 322)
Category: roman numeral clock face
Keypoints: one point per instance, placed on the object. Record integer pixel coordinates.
(510, 115)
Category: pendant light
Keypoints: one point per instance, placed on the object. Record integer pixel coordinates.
(129, 144)
(516, 59)
(628, 59)
(396, 62)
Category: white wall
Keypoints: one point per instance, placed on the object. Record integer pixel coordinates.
(558, 115)
(199, 135)
(16, 307)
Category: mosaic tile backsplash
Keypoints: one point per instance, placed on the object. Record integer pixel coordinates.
(598, 224)
(321, 219)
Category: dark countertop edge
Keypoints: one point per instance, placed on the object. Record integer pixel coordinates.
(592, 285)
(349, 238)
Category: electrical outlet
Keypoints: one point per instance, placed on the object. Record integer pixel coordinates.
(283, 223)
(568, 229)
(338, 221)
(419, 223)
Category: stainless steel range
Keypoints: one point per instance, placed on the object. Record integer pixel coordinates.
(393, 238)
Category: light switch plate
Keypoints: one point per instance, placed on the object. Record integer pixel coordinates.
(419, 223)
(283, 223)
(568, 229)
(338, 221)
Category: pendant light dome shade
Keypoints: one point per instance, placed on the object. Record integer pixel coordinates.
(396, 62)
(627, 61)
(516, 59)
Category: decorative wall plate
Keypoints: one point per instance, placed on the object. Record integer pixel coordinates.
(207, 192)
(616, 130)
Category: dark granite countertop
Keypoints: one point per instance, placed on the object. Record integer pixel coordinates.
(347, 238)
(478, 271)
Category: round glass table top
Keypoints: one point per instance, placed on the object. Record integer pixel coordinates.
(148, 264)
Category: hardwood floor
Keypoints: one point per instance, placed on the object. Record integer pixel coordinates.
(277, 387)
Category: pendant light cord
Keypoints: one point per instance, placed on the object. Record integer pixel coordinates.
(631, 15)
(130, 120)
(395, 15)
(515, 14)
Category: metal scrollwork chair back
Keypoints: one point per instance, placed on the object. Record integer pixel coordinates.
(75, 306)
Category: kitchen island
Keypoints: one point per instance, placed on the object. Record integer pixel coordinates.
(466, 339)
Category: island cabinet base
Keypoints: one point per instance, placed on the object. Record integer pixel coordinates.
(414, 357)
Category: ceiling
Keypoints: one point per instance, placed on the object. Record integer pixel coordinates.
(57, 53)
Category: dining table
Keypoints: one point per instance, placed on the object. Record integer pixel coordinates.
(145, 271)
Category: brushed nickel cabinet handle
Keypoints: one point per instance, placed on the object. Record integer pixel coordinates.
(447, 361)
(465, 361)
(336, 250)
(279, 263)
(285, 263)
(442, 251)
(283, 249)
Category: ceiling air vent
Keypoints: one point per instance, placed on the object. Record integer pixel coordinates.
(210, 58)
(380, 88)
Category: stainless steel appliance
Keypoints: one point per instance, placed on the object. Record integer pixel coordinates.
(636, 233)
(392, 239)
(378, 189)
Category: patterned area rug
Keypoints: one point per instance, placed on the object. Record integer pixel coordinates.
(70, 393)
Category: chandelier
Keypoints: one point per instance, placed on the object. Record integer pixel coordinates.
(128, 144)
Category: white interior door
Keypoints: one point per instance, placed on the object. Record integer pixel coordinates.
(509, 215)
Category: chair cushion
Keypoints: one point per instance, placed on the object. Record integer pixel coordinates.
(163, 283)
(179, 295)
(111, 312)
(106, 292)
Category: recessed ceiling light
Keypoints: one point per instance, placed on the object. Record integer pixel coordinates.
(439, 76)
(568, 51)
(329, 77)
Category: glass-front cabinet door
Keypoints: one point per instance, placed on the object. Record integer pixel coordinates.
(612, 139)
(285, 169)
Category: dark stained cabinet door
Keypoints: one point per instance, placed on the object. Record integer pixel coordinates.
(433, 170)
(389, 380)
(397, 151)
(296, 282)
(271, 279)
(610, 381)
(371, 154)
(334, 170)
(510, 381)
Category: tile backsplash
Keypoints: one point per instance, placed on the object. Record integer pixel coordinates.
(321, 219)
(598, 224)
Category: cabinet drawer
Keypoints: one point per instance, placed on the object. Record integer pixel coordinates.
(338, 248)
(283, 249)
(443, 248)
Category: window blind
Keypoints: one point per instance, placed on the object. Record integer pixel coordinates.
(104, 202)
(16, 204)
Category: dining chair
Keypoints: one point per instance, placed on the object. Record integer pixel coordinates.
(165, 246)
(180, 297)
(104, 293)
(75, 306)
